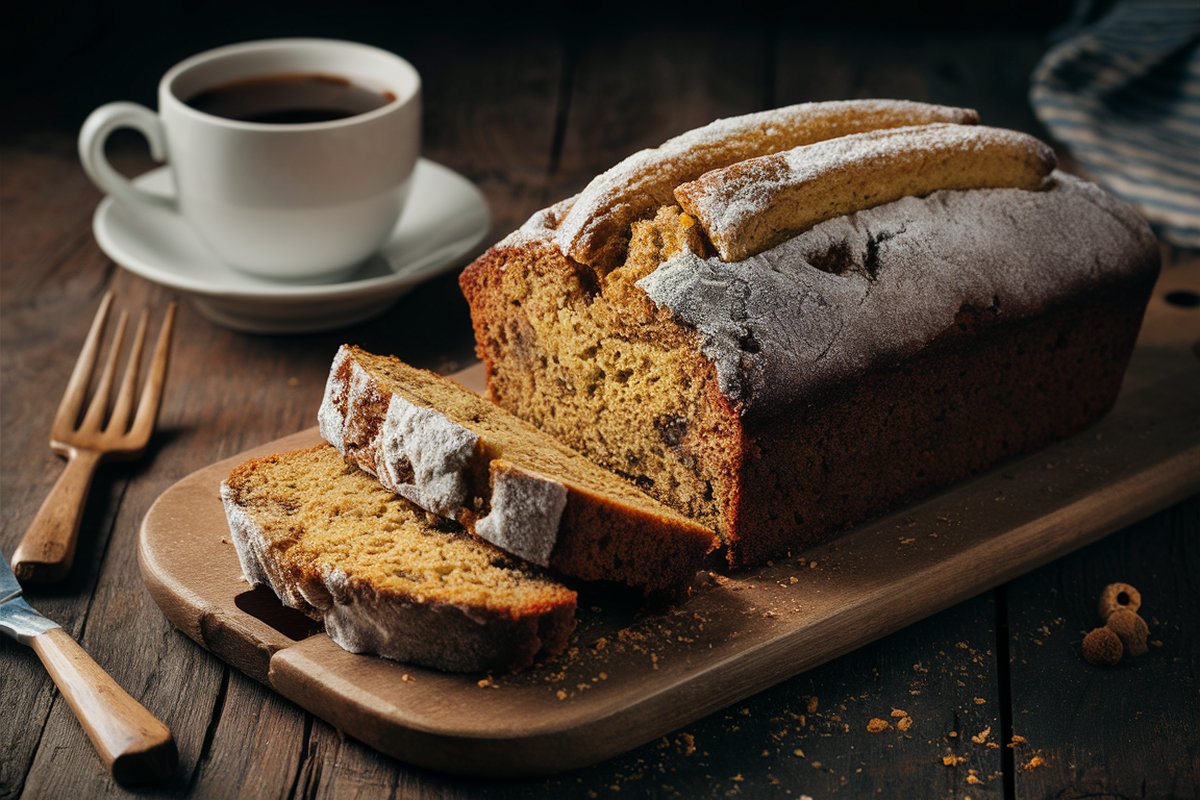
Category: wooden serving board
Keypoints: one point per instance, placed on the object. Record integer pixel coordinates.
(631, 676)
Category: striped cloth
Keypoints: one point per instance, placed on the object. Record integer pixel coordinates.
(1123, 96)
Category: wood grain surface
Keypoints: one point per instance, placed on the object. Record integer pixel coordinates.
(530, 115)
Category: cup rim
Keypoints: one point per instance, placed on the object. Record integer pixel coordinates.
(166, 86)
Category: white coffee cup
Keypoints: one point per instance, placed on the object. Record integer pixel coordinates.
(295, 202)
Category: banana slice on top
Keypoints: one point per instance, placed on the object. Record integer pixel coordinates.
(752, 205)
(596, 229)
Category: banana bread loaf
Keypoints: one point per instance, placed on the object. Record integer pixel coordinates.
(387, 577)
(453, 453)
(833, 363)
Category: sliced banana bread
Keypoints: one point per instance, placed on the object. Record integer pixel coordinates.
(387, 577)
(454, 453)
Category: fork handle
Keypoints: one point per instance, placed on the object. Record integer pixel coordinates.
(47, 550)
(134, 744)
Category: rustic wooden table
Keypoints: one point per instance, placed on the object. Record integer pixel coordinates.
(996, 682)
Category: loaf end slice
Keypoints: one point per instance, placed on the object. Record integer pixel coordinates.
(449, 450)
(387, 577)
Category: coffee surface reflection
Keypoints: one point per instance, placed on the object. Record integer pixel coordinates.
(290, 99)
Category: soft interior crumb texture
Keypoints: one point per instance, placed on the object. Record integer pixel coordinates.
(454, 452)
(386, 576)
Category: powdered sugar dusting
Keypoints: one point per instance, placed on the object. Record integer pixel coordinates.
(330, 417)
(425, 457)
(646, 179)
(874, 287)
(525, 513)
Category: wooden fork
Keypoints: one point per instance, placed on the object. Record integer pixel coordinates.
(46, 552)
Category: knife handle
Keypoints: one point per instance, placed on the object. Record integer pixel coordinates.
(130, 740)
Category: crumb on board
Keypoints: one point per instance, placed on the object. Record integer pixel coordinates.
(905, 723)
(951, 760)
(408, 678)
(1034, 763)
(877, 725)
(898, 712)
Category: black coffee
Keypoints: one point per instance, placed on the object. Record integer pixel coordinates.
(289, 99)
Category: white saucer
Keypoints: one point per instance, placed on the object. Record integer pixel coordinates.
(444, 221)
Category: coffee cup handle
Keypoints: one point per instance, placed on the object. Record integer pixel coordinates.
(94, 133)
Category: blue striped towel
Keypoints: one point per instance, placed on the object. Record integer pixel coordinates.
(1123, 96)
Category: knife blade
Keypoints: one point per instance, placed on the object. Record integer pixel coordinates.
(134, 744)
(18, 619)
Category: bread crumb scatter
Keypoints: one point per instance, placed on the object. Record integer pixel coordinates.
(896, 712)
(816, 765)
(561, 694)
(1034, 763)
(979, 701)
(798, 753)
(973, 780)
(905, 723)
(1102, 648)
(951, 760)
(813, 702)
(877, 725)
(982, 736)
(408, 678)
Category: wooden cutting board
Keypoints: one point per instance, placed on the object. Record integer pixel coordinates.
(633, 675)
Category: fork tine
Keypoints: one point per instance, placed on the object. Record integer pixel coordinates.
(94, 417)
(147, 412)
(76, 391)
(124, 404)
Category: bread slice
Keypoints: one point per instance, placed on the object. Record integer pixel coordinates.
(458, 455)
(387, 577)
